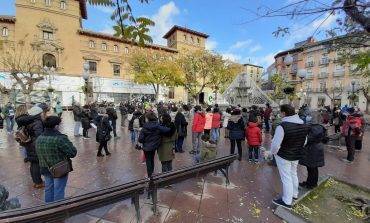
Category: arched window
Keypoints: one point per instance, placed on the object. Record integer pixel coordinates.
(63, 4)
(104, 46)
(49, 60)
(115, 48)
(91, 44)
(48, 2)
(5, 31)
(126, 50)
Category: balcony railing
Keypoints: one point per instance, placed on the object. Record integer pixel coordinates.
(338, 73)
(310, 64)
(324, 61)
(323, 75)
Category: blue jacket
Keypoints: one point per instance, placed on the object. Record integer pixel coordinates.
(150, 135)
(236, 127)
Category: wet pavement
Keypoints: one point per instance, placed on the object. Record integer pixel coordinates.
(207, 199)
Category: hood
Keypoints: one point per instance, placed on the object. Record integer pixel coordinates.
(151, 125)
(293, 119)
(235, 118)
(252, 124)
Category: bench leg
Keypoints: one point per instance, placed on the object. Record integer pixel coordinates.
(154, 199)
(135, 200)
(225, 172)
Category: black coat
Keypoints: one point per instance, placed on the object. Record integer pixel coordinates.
(86, 119)
(103, 129)
(314, 150)
(181, 124)
(150, 135)
(77, 112)
(236, 128)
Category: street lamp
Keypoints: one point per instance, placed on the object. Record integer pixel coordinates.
(50, 72)
(288, 60)
(86, 77)
(352, 91)
(302, 76)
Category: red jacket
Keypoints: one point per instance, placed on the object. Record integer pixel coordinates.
(253, 134)
(198, 122)
(216, 120)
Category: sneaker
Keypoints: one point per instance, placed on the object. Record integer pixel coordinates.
(100, 155)
(192, 152)
(303, 184)
(346, 160)
(250, 160)
(108, 154)
(280, 202)
(85, 137)
(295, 198)
(39, 186)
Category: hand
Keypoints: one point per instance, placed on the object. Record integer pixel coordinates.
(267, 154)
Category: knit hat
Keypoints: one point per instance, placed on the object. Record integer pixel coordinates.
(35, 110)
(52, 121)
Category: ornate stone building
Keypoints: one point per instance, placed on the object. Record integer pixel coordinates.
(53, 30)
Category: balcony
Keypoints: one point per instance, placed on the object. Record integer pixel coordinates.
(338, 73)
(309, 76)
(324, 61)
(323, 75)
(310, 64)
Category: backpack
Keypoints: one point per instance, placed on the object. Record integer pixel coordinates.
(22, 136)
(354, 124)
(136, 124)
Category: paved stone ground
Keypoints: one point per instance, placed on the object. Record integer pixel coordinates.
(246, 199)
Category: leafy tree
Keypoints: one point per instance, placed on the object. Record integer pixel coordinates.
(25, 67)
(156, 69)
(128, 26)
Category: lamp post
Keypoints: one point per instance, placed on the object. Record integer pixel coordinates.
(288, 60)
(86, 77)
(50, 71)
(352, 96)
(302, 76)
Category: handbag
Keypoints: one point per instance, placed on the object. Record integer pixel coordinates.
(61, 169)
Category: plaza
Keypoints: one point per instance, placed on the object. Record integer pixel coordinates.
(206, 199)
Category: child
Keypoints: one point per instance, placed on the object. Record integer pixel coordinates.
(209, 150)
(254, 138)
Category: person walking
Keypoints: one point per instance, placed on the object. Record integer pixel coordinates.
(58, 109)
(286, 146)
(103, 132)
(254, 138)
(266, 116)
(34, 127)
(313, 157)
(216, 123)
(165, 150)
(85, 121)
(181, 127)
(9, 113)
(77, 112)
(53, 147)
(112, 117)
(150, 137)
(236, 132)
(197, 129)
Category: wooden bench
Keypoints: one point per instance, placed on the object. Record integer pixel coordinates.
(165, 179)
(63, 209)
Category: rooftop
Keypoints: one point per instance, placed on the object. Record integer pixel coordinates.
(175, 28)
(117, 39)
(83, 9)
(7, 18)
(253, 65)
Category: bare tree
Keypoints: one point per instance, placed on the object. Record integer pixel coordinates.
(24, 66)
(333, 93)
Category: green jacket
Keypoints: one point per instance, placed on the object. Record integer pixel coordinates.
(53, 147)
(165, 150)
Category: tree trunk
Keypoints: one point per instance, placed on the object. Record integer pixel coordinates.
(27, 98)
(156, 93)
(216, 94)
(349, 6)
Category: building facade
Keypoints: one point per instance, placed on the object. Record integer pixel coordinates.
(255, 71)
(52, 29)
(326, 82)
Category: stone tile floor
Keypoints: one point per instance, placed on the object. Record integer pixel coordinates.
(207, 199)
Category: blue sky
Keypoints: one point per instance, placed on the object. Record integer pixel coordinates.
(224, 21)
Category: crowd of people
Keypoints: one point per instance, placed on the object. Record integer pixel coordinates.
(298, 138)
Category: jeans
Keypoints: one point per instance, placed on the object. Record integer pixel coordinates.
(179, 143)
(196, 141)
(238, 142)
(103, 145)
(312, 176)
(149, 161)
(288, 174)
(215, 134)
(267, 124)
(253, 149)
(166, 166)
(350, 144)
(35, 172)
(134, 136)
(9, 124)
(77, 128)
(54, 188)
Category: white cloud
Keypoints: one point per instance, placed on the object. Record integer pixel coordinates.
(241, 44)
(107, 10)
(255, 48)
(107, 30)
(163, 21)
(211, 44)
(231, 56)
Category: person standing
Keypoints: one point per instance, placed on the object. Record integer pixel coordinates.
(1, 126)
(124, 112)
(336, 120)
(165, 150)
(134, 126)
(254, 138)
(181, 127)
(58, 109)
(358, 141)
(9, 113)
(53, 147)
(85, 121)
(150, 137)
(103, 132)
(236, 132)
(286, 146)
(216, 123)
(112, 117)
(197, 129)
(313, 157)
(77, 112)
(226, 116)
(266, 117)
(208, 123)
